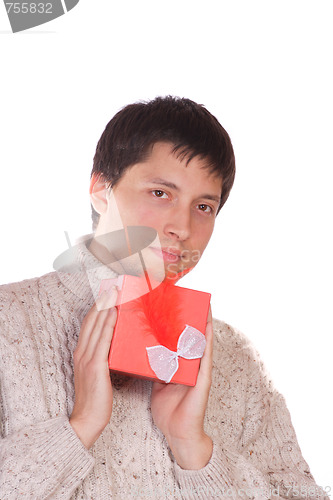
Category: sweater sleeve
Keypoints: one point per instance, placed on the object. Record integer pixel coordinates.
(232, 474)
(44, 460)
(265, 461)
(40, 454)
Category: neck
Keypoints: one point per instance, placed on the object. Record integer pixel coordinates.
(105, 256)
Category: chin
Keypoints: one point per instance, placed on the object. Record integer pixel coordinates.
(174, 275)
(139, 265)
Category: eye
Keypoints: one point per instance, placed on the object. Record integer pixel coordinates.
(205, 208)
(158, 193)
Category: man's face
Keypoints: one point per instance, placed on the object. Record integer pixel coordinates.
(178, 200)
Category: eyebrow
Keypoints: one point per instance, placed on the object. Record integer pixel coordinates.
(171, 185)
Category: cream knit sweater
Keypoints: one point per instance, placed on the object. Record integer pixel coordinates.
(255, 452)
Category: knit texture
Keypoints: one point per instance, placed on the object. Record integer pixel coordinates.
(255, 454)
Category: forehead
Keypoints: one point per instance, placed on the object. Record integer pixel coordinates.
(165, 163)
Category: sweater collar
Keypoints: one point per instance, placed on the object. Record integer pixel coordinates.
(80, 271)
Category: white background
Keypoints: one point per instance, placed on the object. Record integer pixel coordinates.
(264, 69)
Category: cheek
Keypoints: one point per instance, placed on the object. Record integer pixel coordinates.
(203, 236)
(142, 216)
(135, 211)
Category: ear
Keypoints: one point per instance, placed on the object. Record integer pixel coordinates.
(98, 193)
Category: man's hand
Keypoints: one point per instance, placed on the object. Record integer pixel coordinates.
(178, 411)
(93, 390)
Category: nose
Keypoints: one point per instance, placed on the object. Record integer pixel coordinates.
(178, 225)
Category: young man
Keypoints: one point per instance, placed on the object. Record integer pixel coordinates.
(69, 429)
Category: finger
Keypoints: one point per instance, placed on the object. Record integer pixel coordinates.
(87, 326)
(106, 304)
(95, 318)
(209, 318)
(207, 358)
(102, 347)
(206, 363)
(107, 299)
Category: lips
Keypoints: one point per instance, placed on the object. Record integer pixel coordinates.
(172, 251)
(168, 254)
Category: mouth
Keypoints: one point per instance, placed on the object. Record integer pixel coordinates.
(168, 254)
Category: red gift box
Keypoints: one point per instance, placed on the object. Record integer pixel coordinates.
(164, 325)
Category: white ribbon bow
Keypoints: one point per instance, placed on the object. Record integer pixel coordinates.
(164, 363)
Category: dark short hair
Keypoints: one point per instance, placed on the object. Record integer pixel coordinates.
(188, 126)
